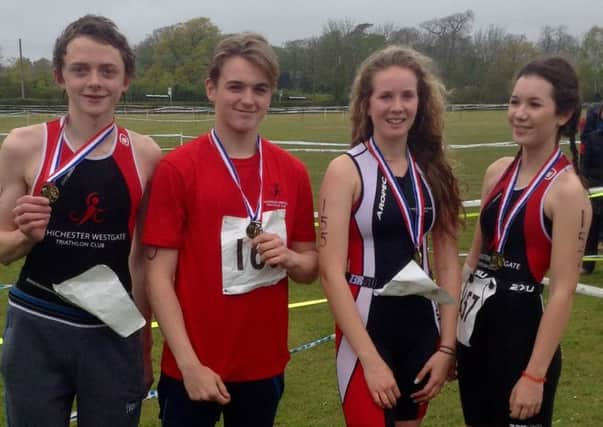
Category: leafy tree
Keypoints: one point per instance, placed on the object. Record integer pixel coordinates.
(590, 63)
(177, 57)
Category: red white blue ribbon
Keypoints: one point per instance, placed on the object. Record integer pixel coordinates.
(254, 215)
(57, 170)
(506, 213)
(415, 226)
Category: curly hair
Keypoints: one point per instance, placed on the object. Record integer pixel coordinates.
(566, 95)
(425, 138)
(100, 29)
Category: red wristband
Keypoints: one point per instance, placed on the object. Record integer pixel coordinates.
(533, 378)
(447, 350)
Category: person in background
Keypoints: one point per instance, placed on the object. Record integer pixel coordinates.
(591, 144)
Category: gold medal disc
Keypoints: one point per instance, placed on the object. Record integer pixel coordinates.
(497, 261)
(253, 229)
(50, 191)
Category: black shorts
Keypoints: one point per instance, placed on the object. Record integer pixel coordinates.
(405, 332)
(252, 403)
(501, 346)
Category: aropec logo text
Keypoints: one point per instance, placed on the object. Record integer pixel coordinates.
(91, 213)
(383, 195)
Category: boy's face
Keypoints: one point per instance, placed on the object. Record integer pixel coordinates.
(93, 75)
(241, 96)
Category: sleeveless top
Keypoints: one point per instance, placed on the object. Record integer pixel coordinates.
(527, 251)
(91, 223)
(379, 244)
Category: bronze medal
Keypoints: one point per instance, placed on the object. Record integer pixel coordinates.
(497, 261)
(253, 229)
(418, 258)
(50, 191)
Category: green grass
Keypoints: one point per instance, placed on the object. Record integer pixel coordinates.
(311, 397)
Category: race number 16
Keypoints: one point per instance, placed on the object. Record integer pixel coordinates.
(254, 258)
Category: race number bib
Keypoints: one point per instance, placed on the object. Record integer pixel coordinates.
(474, 294)
(242, 268)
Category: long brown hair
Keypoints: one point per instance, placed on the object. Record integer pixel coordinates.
(566, 94)
(425, 138)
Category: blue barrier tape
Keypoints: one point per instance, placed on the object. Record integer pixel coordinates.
(312, 344)
(154, 324)
(152, 394)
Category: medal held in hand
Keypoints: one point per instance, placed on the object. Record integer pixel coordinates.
(50, 191)
(253, 229)
(58, 169)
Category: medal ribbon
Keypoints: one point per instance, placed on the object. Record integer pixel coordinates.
(256, 215)
(80, 154)
(415, 228)
(504, 220)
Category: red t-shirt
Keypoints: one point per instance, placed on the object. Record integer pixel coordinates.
(241, 337)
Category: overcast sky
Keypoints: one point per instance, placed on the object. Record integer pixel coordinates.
(39, 22)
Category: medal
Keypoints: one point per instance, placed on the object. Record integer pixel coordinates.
(497, 261)
(507, 211)
(50, 191)
(255, 216)
(414, 224)
(253, 229)
(56, 170)
(418, 258)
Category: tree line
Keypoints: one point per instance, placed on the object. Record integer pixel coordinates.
(477, 65)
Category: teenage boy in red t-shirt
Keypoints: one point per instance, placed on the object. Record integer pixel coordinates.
(230, 220)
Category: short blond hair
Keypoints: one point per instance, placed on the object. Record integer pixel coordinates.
(250, 46)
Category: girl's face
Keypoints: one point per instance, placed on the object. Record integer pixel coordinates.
(532, 112)
(393, 104)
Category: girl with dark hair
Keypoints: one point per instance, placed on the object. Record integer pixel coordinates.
(534, 217)
(377, 204)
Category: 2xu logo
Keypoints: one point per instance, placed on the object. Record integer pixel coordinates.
(253, 257)
(519, 287)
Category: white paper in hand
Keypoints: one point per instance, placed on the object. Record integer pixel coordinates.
(99, 292)
(412, 280)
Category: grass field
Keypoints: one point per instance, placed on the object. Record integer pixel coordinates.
(311, 397)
